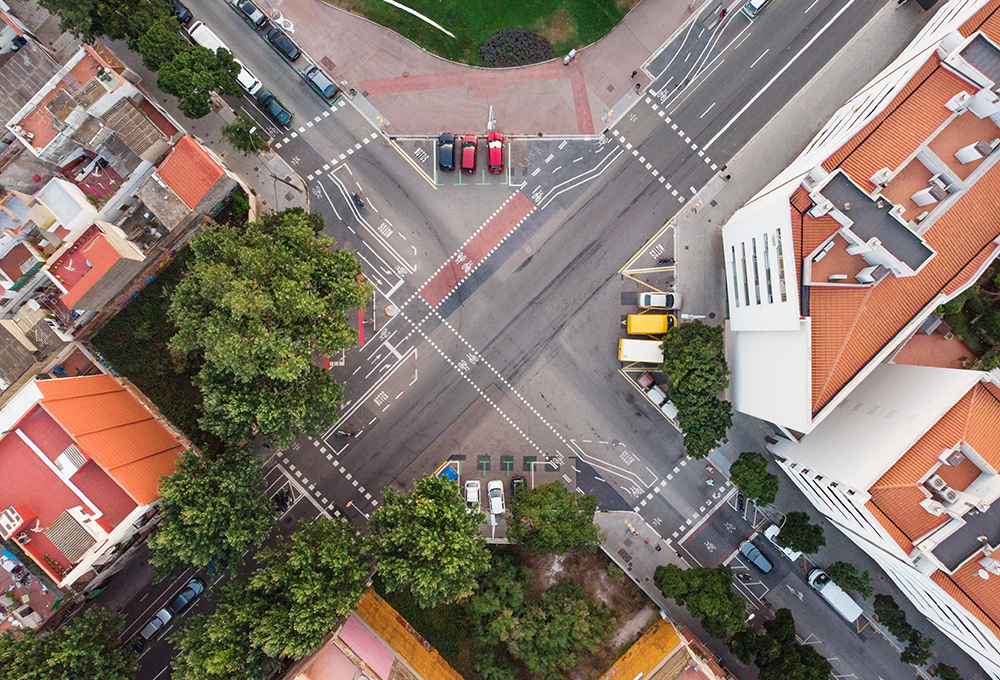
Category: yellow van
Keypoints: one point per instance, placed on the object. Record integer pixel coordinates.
(650, 324)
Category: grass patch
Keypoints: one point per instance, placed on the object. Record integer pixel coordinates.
(135, 344)
(566, 23)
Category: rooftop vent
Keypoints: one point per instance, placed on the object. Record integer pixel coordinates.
(951, 457)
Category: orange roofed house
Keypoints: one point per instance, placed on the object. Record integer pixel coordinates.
(80, 463)
(893, 209)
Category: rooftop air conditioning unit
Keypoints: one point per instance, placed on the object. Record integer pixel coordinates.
(949, 495)
(936, 482)
(881, 178)
(23, 538)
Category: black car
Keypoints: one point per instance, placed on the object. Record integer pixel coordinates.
(516, 482)
(182, 13)
(193, 589)
(283, 44)
(446, 152)
(271, 104)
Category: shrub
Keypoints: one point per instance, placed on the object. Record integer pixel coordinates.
(515, 47)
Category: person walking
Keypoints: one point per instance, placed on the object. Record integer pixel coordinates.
(722, 14)
(634, 74)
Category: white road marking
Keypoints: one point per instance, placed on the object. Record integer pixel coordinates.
(760, 57)
(707, 110)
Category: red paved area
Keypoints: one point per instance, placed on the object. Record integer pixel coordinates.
(934, 350)
(476, 249)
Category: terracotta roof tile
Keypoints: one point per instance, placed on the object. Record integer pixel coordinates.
(115, 429)
(190, 171)
(897, 534)
(808, 233)
(979, 596)
(974, 23)
(901, 504)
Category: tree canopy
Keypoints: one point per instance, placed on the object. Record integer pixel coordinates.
(550, 518)
(707, 594)
(86, 648)
(116, 19)
(194, 73)
(159, 43)
(749, 474)
(242, 135)
(781, 656)
(304, 585)
(255, 303)
(210, 511)
(946, 672)
(426, 541)
(892, 617)
(847, 576)
(918, 649)
(798, 534)
(695, 363)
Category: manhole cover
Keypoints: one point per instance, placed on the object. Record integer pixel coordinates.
(327, 62)
(406, 74)
(611, 88)
(289, 196)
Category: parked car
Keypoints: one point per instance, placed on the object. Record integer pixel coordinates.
(321, 83)
(473, 497)
(446, 152)
(494, 152)
(657, 300)
(495, 492)
(247, 80)
(193, 589)
(751, 552)
(753, 8)
(516, 482)
(283, 44)
(250, 12)
(182, 13)
(469, 145)
(771, 534)
(271, 104)
(156, 624)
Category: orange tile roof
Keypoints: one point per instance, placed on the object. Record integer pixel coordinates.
(644, 656)
(901, 505)
(115, 429)
(897, 534)
(986, 19)
(808, 232)
(190, 171)
(84, 264)
(978, 596)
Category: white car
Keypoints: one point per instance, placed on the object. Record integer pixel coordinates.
(659, 300)
(771, 534)
(753, 8)
(156, 624)
(473, 499)
(494, 490)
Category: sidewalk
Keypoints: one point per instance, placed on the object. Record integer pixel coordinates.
(419, 93)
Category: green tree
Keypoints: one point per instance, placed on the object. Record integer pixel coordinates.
(425, 540)
(892, 617)
(160, 43)
(194, 73)
(918, 649)
(749, 474)
(255, 303)
(217, 647)
(780, 656)
(798, 534)
(707, 594)
(549, 518)
(211, 511)
(304, 585)
(86, 648)
(703, 422)
(116, 19)
(946, 672)
(847, 576)
(242, 135)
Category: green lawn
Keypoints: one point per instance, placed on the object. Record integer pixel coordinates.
(566, 23)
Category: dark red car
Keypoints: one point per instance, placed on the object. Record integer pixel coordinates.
(494, 152)
(469, 143)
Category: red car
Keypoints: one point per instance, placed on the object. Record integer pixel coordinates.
(494, 152)
(469, 143)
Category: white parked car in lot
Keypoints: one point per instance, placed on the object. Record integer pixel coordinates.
(473, 498)
(659, 300)
(771, 534)
(495, 492)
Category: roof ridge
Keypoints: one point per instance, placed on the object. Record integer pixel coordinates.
(968, 414)
(175, 447)
(843, 346)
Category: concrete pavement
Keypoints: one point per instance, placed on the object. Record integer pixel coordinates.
(420, 93)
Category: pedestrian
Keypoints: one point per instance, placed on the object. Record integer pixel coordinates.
(634, 74)
(647, 541)
(722, 14)
(638, 87)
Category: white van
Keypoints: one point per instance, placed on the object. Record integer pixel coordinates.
(203, 35)
(831, 592)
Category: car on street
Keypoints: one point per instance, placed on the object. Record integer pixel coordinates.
(754, 555)
(446, 152)
(156, 624)
(283, 44)
(247, 80)
(658, 300)
(182, 13)
(320, 82)
(469, 145)
(271, 104)
(753, 8)
(250, 12)
(473, 496)
(193, 589)
(494, 152)
(771, 534)
(516, 482)
(494, 490)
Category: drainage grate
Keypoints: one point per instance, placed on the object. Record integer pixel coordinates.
(624, 555)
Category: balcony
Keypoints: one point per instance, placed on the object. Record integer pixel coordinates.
(835, 265)
(964, 132)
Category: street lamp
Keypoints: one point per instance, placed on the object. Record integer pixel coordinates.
(250, 135)
(358, 509)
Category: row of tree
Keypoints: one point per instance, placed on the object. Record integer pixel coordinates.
(189, 72)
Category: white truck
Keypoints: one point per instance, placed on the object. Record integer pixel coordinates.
(820, 581)
(640, 351)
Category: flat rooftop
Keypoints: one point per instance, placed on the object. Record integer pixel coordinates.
(960, 545)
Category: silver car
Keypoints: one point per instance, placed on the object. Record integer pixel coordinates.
(473, 496)
(751, 552)
(156, 624)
